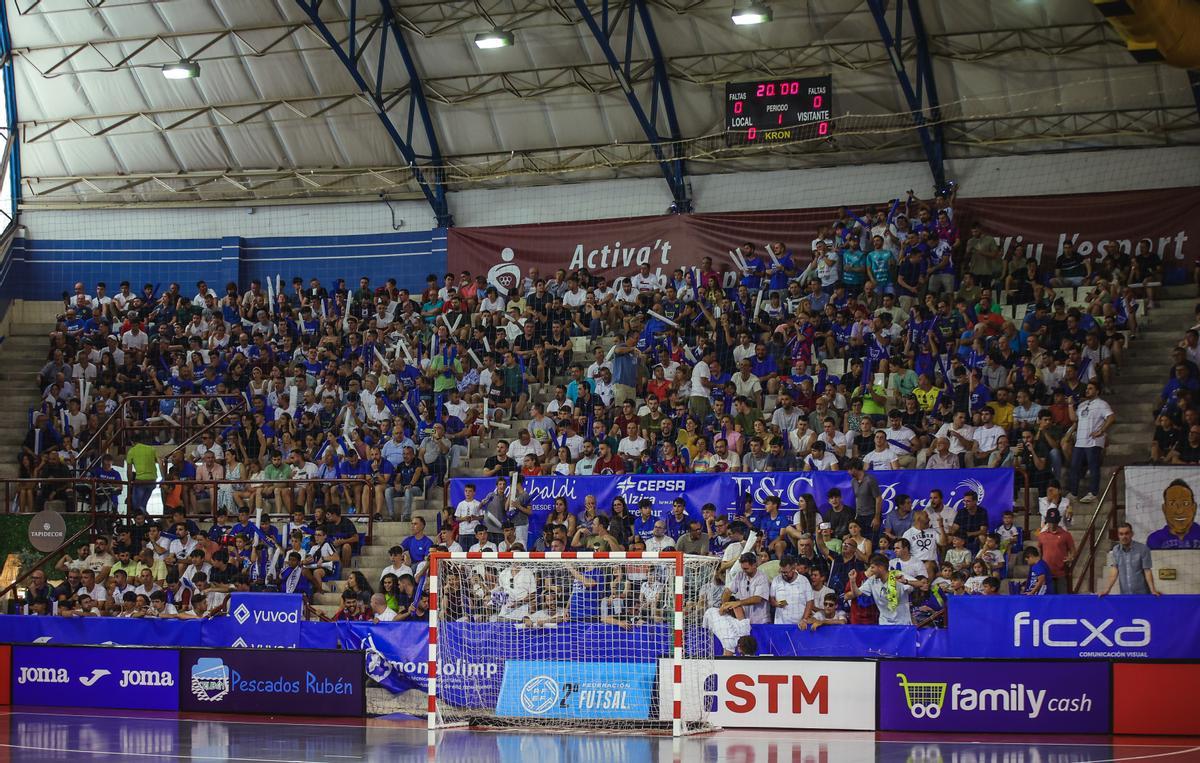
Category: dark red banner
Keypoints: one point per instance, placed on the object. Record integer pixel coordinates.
(1098, 224)
(1146, 698)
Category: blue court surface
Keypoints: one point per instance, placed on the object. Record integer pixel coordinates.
(44, 734)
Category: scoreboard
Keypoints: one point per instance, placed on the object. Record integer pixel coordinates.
(778, 110)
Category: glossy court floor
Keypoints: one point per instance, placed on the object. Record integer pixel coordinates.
(49, 734)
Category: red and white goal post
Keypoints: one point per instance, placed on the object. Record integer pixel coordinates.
(570, 641)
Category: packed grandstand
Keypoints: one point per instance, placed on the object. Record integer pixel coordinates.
(899, 339)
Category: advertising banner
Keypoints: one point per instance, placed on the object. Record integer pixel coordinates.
(1053, 627)
(20, 629)
(95, 677)
(1008, 697)
(576, 690)
(5, 675)
(1146, 698)
(727, 489)
(778, 694)
(1099, 225)
(288, 682)
(258, 620)
(1160, 503)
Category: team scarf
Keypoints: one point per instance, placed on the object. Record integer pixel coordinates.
(891, 588)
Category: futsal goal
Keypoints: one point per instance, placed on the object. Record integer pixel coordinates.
(570, 641)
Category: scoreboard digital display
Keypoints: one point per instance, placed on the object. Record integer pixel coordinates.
(780, 110)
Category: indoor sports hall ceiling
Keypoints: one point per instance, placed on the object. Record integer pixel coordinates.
(275, 115)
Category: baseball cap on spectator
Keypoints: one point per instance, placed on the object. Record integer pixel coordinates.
(1053, 516)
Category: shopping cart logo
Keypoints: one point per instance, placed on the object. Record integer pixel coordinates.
(924, 699)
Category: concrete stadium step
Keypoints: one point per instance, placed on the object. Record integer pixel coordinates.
(31, 330)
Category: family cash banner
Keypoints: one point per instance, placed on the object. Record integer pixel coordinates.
(727, 490)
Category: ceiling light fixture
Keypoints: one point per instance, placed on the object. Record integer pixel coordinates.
(184, 69)
(754, 13)
(497, 38)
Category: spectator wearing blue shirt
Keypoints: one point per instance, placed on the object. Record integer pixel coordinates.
(418, 545)
(1038, 583)
(643, 526)
(771, 525)
(678, 520)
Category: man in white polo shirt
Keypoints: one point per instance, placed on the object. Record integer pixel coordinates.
(791, 595)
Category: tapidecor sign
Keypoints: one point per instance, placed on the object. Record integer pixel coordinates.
(47, 530)
(287, 682)
(1146, 698)
(777, 694)
(1006, 697)
(95, 677)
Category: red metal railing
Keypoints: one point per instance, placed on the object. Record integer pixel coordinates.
(1102, 527)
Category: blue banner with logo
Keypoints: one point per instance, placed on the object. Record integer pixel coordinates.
(259, 620)
(935, 696)
(288, 682)
(1061, 627)
(95, 677)
(122, 631)
(726, 490)
(576, 690)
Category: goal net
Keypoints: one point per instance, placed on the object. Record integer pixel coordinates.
(571, 641)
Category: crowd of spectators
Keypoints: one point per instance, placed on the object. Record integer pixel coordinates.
(888, 341)
(1177, 422)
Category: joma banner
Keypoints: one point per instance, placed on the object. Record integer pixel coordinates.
(727, 490)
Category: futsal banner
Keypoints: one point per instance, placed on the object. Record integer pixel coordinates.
(1060, 627)
(727, 490)
(1160, 503)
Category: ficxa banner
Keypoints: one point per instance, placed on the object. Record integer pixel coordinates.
(95, 677)
(1008, 697)
(288, 682)
(1052, 627)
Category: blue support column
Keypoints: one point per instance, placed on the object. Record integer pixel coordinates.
(920, 89)
(10, 103)
(669, 156)
(427, 169)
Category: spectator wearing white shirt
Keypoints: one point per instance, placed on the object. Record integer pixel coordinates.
(791, 595)
(517, 586)
(883, 457)
(835, 441)
(820, 459)
(632, 444)
(659, 540)
(922, 541)
(1092, 418)
(748, 589)
(985, 438)
(908, 565)
(468, 512)
(959, 433)
(902, 439)
(383, 613)
(525, 445)
(481, 540)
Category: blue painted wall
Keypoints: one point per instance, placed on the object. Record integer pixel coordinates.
(41, 269)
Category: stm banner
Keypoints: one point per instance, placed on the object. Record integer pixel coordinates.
(1053, 627)
(1010, 697)
(767, 693)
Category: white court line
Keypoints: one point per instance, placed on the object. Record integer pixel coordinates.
(1147, 757)
(190, 756)
(193, 719)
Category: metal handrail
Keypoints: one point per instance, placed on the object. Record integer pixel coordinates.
(1093, 536)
